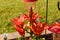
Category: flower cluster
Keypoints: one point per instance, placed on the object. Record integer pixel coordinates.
(37, 27)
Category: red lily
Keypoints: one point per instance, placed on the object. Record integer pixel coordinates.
(30, 0)
(55, 27)
(19, 30)
(37, 28)
(19, 23)
(20, 20)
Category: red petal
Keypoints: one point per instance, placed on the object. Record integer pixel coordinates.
(26, 17)
(15, 21)
(18, 21)
(35, 16)
(38, 28)
(19, 30)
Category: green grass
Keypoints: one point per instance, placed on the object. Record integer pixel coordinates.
(13, 8)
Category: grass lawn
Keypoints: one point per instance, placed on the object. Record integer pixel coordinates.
(13, 8)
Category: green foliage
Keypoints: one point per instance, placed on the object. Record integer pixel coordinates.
(13, 8)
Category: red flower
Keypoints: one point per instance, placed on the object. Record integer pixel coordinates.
(18, 23)
(19, 30)
(37, 28)
(55, 27)
(20, 20)
(30, 0)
